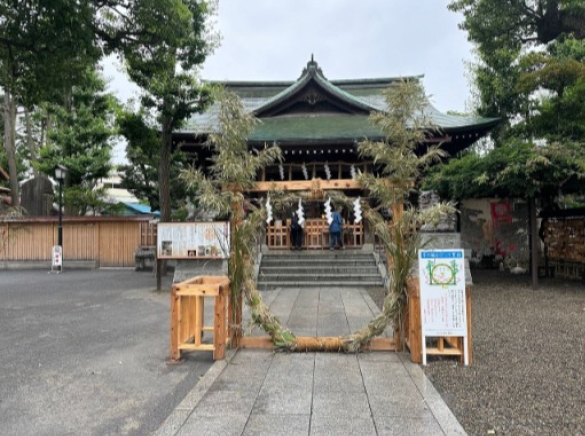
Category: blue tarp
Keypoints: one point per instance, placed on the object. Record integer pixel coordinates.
(141, 209)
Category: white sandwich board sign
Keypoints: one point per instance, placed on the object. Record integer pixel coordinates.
(442, 296)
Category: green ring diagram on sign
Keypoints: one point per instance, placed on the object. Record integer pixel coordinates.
(442, 274)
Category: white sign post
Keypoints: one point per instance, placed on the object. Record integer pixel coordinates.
(57, 258)
(442, 296)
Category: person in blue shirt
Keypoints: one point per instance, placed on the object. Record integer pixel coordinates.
(335, 229)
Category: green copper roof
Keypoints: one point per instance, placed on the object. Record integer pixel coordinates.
(312, 72)
(363, 95)
(315, 128)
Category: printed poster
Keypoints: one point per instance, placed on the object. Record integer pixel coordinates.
(442, 294)
(197, 240)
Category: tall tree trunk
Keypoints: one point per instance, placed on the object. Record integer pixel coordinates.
(164, 171)
(10, 145)
(30, 142)
(164, 187)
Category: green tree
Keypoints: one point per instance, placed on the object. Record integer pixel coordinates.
(165, 70)
(527, 55)
(140, 175)
(531, 74)
(47, 45)
(496, 24)
(517, 169)
(44, 45)
(554, 79)
(79, 136)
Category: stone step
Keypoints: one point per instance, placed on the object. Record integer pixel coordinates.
(318, 277)
(320, 269)
(269, 285)
(326, 268)
(321, 254)
(316, 262)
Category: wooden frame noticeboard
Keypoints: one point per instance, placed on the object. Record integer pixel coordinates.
(442, 297)
(193, 240)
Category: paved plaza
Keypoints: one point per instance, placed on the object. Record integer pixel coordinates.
(85, 352)
(258, 392)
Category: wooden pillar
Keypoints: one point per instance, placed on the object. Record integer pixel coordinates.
(175, 311)
(414, 327)
(533, 242)
(219, 323)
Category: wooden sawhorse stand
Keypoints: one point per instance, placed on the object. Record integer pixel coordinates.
(187, 316)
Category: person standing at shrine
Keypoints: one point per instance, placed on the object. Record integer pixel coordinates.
(296, 233)
(335, 229)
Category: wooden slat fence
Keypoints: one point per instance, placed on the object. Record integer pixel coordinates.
(315, 234)
(109, 241)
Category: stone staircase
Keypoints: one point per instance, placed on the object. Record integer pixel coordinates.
(339, 268)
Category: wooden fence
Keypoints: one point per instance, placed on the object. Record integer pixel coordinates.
(315, 234)
(108, 241)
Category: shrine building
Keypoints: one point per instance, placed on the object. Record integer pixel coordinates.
(317, 123)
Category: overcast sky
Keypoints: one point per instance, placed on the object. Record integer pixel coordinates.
(350, 39)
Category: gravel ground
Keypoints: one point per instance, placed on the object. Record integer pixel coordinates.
(528, 372)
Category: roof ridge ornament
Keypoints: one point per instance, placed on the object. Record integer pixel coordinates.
(312, 68)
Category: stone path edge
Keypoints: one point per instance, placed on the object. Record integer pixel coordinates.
(179, 416)
(444, 416)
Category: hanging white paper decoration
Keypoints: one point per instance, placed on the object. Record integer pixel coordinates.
(352, 171)
(281, 170)
(328, 213)
(357, 210)
(268, 211)
(305, 172)
(301, 213)
(327, 171)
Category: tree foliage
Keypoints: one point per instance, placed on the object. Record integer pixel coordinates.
(165, 69)
(79, 136)
(510, 24)
(139, 176)
(46, 47)
(530, 73)
(517, 169)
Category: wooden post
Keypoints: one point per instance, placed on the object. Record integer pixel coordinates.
(175, 311)
(219, 323)
(414, 333)
(199, 310)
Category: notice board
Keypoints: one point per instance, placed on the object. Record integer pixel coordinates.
(442, 295)
(193, 240)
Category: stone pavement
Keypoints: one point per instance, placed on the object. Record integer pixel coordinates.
(258, 392)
